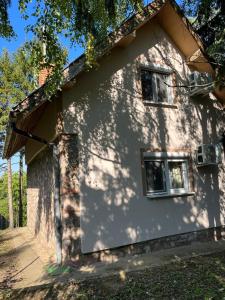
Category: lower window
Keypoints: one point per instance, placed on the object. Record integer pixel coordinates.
(166, 173)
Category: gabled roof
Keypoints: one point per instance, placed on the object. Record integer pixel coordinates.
(170, 17)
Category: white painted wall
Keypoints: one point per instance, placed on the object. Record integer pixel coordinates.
(105, 108)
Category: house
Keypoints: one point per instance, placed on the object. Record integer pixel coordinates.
(126, 135)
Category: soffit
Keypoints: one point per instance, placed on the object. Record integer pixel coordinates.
(180, 31)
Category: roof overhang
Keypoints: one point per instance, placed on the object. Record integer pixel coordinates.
(27, 113)
(179, 29)
(15, 142)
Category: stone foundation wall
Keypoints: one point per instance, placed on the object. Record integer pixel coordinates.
(111, 255)
(40, 211)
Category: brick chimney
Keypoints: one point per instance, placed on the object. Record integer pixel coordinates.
(43, 76)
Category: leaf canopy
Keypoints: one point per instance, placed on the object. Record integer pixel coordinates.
(209, 23)
(17, 80)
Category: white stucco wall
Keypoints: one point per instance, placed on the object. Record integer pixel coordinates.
(105, 108)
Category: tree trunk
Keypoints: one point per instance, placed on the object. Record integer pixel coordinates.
(20, 199)
(10, 198)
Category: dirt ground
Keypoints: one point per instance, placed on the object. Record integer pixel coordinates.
(196, 271)
(7, 262)
(22, 261)
(198, 278)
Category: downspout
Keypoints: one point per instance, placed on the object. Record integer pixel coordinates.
(56, 187)
(57, 210)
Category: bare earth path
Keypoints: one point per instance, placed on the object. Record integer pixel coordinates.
(22, 260)
(7, 261)
(196, 271)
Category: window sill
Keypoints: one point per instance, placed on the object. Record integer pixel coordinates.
(166, 105)
(170, 195)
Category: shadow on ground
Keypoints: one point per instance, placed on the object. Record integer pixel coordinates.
(201, 277)
(20, 265)
(7, 260)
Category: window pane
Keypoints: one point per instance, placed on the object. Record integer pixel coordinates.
(146, 82)
(155, 176)
(176, 174)
(162, 87)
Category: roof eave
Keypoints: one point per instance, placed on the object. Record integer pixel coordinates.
(37, 98)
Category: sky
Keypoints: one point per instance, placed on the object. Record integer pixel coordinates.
(19, 25)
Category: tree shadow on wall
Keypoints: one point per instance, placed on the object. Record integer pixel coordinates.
(40, 195)
(106, 112)
(112, 126)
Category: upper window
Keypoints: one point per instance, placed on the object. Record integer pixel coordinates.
(156, 85)
(166, 173)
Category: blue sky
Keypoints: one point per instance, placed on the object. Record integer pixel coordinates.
(19, 25)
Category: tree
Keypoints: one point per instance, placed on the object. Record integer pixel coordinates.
(9, 170)
(6, 29)
(209, 22)
(15, 195)
(86, 22)
(17, 80)
(83, 22)
(20, 189)
(4, 211)
(10, 198)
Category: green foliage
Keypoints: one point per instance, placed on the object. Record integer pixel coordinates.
(17, 80)
(6, 29)
(5, 88)
(83, 22)
(87, 22)
(209, 23)
(53, 58)
(4, 196)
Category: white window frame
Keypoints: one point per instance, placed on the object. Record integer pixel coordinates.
(157, 192)
(156, 69)
(167, 157)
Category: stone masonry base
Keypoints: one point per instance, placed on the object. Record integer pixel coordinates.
(184, 239)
